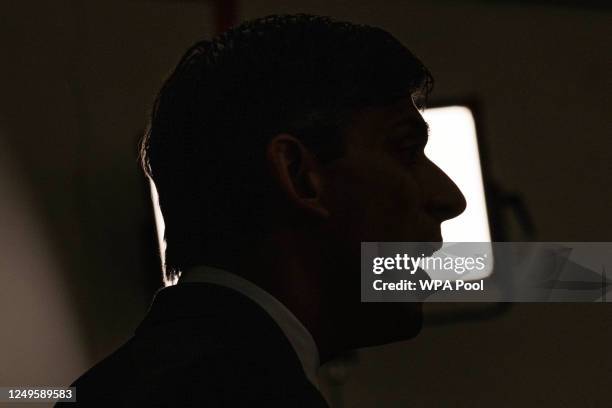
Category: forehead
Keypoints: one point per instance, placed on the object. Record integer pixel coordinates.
(370, 126)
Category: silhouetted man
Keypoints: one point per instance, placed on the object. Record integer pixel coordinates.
(277, 148)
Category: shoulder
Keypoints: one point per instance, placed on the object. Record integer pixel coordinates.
(199, 346)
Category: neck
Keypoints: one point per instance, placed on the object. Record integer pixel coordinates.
(292, 268)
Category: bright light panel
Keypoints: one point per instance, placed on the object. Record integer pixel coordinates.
(453, 146)
(160, 228)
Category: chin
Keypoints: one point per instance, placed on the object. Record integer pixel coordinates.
(389, 323)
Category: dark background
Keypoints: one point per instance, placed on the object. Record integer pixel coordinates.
(77, 244)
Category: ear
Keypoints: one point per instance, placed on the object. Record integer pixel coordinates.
(296, 173)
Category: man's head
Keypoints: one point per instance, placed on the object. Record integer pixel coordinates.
(295, 124)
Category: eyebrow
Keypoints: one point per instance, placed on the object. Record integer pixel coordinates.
(419, 124)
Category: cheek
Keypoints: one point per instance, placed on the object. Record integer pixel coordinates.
(375, 198)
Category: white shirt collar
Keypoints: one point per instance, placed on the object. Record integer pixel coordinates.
(299, 337)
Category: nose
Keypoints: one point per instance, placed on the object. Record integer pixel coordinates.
(445, 200)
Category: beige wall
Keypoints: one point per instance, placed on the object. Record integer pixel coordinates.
(77, 81)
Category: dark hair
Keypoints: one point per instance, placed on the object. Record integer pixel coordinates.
(211, 121)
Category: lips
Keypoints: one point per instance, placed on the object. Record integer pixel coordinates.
(437, 245)
(429, 248)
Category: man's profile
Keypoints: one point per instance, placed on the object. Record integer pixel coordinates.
(276, 149)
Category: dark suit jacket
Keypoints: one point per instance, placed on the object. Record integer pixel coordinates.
(200, 345)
